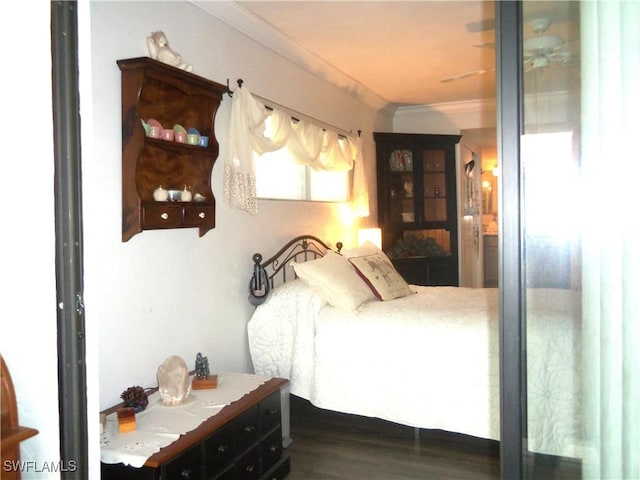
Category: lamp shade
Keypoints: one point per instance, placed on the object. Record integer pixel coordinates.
(374, 235)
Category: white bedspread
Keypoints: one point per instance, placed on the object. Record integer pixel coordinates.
(429, 360)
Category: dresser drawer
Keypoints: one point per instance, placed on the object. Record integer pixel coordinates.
(219, 452)
(228, 474)
(196, 215)
(162, 215)
(270, 414)
(248, 465)
(245, 429)
(187, 466)
(271, 449)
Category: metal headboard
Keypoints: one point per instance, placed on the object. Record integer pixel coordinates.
(276, 270)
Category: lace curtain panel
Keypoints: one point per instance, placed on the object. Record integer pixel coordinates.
(310, 144)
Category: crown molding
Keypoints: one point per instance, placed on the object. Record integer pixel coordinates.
(452, 108)
(239, 18)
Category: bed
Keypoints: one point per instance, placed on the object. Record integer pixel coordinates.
(428, 358)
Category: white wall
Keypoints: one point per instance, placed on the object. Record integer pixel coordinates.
(28, 293)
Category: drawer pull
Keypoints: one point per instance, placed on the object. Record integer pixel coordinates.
(202, 214)
(271, 411)
(249, 468)
(186, 474)
(249, 428)
(223, 448)
(164, 215)
(273, 448)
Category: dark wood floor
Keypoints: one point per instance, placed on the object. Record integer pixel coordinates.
(329, 445)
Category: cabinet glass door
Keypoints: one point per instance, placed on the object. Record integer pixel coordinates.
(402, 203)
(435, 190)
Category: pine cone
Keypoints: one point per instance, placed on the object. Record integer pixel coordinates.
(134, 396)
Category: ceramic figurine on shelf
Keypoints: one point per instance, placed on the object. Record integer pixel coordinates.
(160, 194)
(160, 50)
(186, 196)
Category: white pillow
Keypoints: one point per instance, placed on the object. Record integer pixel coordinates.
(336, 280)
(365, 248)
(380, 274)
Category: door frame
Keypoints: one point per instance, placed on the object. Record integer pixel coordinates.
(510, 109)
(72, 383)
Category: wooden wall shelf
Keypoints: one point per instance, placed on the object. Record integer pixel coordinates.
(154, 90)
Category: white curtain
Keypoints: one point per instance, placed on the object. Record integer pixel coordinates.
(359, 193)
(310, 144)
(246, 135)
(610, 51)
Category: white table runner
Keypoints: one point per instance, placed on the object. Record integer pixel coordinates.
(159, 425)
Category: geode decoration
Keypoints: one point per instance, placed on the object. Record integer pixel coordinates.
(174, 385)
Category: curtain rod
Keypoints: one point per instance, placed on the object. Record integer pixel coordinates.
(341, 131)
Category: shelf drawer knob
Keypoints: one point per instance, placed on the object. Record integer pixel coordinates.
(222, 448)
(202, 214)
(164, 215)
(186, 473)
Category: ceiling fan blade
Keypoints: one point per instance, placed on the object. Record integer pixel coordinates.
(481, 25)
(485, 45)
(466, 74)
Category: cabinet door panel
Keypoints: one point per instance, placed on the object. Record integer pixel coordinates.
(435, 210)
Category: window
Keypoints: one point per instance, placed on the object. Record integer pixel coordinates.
(280, 176)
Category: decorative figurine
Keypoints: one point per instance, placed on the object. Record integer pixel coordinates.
(186, 195)
(160, 194)
(202, 366)
(160, 50)
(203, 379)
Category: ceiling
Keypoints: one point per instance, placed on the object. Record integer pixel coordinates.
(389, 53)
(399, 50)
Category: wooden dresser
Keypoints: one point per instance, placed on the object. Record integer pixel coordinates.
(241, 442)
(10, 430)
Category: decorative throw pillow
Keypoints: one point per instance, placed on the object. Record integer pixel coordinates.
(334, 279)
(365, 248)
(380, 274)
